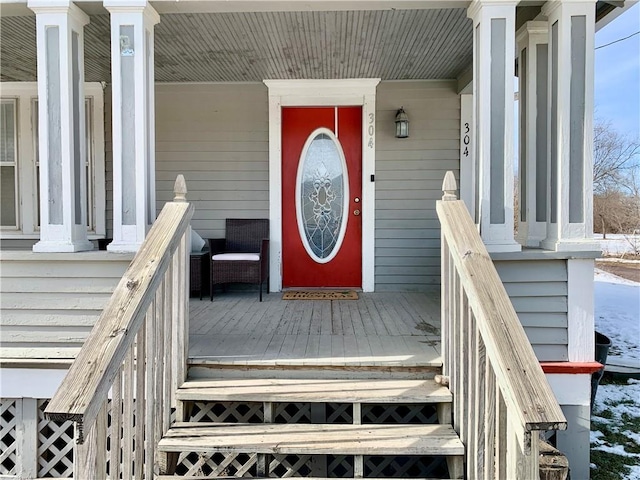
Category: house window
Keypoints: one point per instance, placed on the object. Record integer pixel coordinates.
(20, 162)
(88, 166)
(8, 165)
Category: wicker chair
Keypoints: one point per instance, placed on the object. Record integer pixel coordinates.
(243, 255)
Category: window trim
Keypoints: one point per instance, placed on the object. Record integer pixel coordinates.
(14, 164)
(27, 181)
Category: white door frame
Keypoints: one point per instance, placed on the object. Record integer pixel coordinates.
(318, 93)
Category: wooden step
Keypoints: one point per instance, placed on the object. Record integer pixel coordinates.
(190, 477)
(320, 439)
(314, 390)
(201, 368)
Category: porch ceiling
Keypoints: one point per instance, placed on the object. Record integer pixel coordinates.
(253, 46)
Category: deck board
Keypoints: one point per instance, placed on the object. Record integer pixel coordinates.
(378, 329)
(316, 390)
(313, 439)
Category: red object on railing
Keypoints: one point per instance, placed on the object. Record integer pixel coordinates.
(570, 367)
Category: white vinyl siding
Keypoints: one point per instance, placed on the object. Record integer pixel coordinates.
(50, 302)
(538, 291)
(409, 174)
(217, 137)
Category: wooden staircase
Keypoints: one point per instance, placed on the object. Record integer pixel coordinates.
(301, 423)
(313, 427)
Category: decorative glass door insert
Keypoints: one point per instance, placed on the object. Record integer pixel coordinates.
(322, 195)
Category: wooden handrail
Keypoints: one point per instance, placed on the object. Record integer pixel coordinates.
(136, 348)
(486, 354)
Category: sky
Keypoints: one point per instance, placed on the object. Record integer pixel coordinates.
(617, 73)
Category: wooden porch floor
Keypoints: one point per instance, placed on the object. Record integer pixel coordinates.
(377, 330)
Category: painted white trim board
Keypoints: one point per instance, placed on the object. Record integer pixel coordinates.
(580, 310)
(347, 92)
(30, 383)
(571, 389)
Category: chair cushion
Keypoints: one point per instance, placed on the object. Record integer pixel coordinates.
(254, 257)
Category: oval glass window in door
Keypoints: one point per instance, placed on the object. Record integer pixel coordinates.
(322, 195)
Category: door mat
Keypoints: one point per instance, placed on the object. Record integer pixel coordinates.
(320, 295)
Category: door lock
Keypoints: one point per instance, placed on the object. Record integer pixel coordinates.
(356, 212)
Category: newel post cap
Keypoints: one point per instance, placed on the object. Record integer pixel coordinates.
(180, 189)
(449, 187)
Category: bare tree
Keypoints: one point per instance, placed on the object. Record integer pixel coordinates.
(616, 179)
(615, 212)
(615, 158)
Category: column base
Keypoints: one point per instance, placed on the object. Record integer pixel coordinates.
(123, 247)
(503, 247)
(45, 246)
(558, 245)
(530, 242)
(531, 234)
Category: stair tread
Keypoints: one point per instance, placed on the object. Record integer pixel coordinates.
(314, 390)
(181, 477)
(290, 438)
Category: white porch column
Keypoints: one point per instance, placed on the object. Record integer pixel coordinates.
(132, 77)
(533, 40)
(493, 93)
(61, 124)
(571, 52)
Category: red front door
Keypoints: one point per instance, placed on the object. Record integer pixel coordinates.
(321, 197)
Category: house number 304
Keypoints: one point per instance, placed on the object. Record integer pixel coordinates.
(371, 130)
(466, 139)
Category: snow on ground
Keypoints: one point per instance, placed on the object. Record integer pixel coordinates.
(622, 402)
(617, 244)
(617, 315)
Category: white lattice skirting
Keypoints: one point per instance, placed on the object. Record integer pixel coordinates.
(30, 445)
(33, 447)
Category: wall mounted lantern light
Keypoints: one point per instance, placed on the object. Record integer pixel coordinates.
(402, 124)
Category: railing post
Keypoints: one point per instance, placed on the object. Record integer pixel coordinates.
(449, 188)
(500, 395)
(180, 288)
(553, 464)
(90, 457)
(141, 399)
(128, 356)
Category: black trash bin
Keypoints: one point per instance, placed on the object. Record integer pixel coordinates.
(103, 242)
(602, 350)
